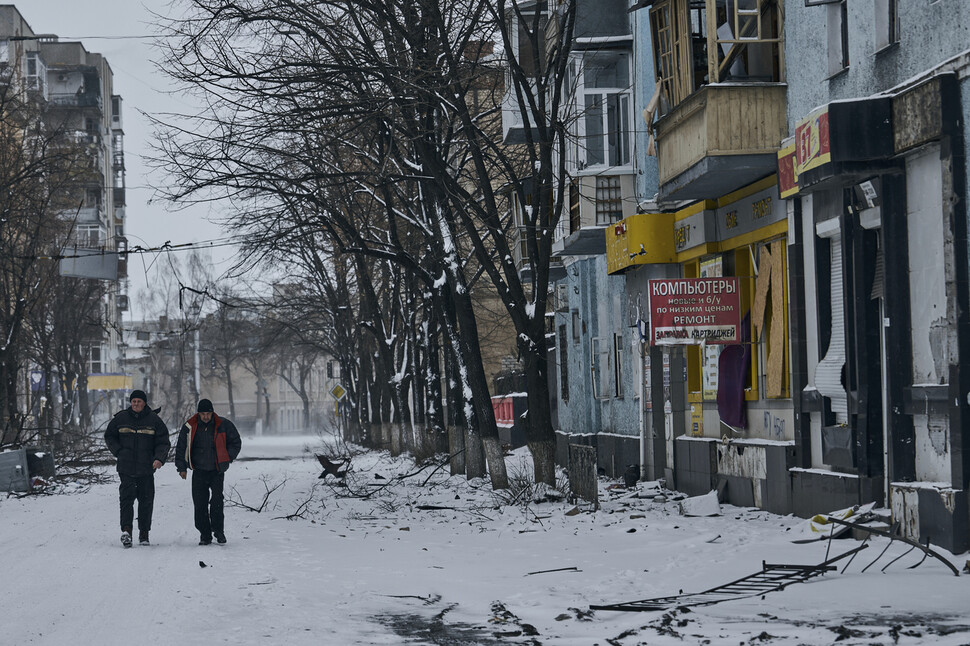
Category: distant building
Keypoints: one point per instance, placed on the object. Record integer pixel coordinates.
(74, 89)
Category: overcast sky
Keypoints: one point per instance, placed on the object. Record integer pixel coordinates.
(121, 30)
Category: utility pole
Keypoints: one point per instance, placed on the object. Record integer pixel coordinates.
(198, 384)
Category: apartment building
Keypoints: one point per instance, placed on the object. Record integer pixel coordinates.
(73, 90)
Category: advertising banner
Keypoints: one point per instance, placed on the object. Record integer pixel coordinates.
(691, 311)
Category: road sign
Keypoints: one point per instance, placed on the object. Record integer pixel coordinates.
(338, 391)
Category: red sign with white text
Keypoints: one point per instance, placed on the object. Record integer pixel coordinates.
(691, 311)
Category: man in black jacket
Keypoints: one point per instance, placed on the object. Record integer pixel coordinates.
(207, 444)
(138, 438)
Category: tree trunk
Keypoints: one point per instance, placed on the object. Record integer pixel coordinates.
(232, 401)
(539, 434)
(481, 400)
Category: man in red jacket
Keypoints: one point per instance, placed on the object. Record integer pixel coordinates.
(207, 444)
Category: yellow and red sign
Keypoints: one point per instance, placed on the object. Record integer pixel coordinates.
(787, 174)
(812, 145)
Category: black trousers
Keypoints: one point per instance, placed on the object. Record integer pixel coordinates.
(142, 489)
(208, 501)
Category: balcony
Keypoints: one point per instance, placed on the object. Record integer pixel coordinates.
(520, 254)
(74, 100)
(720, 138)
(87, 214)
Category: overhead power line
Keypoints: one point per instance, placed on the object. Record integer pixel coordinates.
(137, 249)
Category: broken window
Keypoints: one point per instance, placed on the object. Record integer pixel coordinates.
(698, 42)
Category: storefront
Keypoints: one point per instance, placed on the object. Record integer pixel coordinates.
(880, 257)
(719, 416)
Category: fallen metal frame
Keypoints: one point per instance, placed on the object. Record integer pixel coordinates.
(771, 578)
(894, 535)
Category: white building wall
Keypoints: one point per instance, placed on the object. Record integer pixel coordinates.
(927, 286)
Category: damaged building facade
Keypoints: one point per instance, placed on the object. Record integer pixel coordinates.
(715, 415)
(875, 177)
(813, 150)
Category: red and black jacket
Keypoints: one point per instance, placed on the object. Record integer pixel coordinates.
(227, 443)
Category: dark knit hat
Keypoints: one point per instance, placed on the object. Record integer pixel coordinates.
(205, 406)
(138, 394)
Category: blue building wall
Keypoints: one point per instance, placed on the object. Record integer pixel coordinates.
(599, 302)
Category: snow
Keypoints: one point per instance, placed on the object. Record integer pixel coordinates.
(379, 570)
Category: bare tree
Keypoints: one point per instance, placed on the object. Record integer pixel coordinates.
(387, 96)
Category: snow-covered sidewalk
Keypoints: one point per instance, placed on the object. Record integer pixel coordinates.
(436, 562)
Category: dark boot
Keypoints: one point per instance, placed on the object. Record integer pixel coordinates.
(220, 538)
(205, 540)
(126, 536)
(143, 538)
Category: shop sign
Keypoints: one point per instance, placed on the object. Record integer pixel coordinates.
(750, 213)
(694, 230)
(812, 145)
(692, 311)
(787, 175)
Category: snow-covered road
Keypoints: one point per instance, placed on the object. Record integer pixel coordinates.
(382, 571)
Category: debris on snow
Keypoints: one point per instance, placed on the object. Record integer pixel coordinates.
(820, 525)
(706, 505)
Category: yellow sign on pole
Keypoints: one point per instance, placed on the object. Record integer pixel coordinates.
(338, 391)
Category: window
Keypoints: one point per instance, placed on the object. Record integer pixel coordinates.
(575, 214)
(330, 370)
(838, 36)
(94, 360)
(562, 297)
(617, 365)
(605, 90)
(530, 37)
(577, 323)
(747, 37)
(92, 198)
(609, 201)
(887, 23)
(563, 365)
(600, 361)
(35, 72)
(88, 236)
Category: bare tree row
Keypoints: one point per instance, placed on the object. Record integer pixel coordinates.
(362, 142)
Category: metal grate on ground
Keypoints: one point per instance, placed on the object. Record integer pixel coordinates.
(771, 578)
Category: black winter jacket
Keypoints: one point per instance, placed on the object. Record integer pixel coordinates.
(207, 449)
(137, 440)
